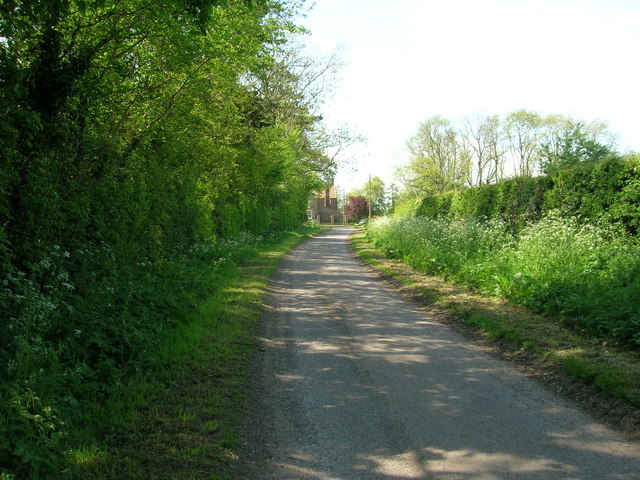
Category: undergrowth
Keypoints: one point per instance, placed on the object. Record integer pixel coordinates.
(69, 347)
(589, 275)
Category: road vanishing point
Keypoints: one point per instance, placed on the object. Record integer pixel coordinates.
(354, 382)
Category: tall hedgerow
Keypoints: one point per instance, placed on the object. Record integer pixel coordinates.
(131, 139)
(604, 190)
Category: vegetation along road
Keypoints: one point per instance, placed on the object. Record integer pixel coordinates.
(354, 382)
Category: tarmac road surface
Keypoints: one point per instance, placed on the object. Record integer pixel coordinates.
(354, 382)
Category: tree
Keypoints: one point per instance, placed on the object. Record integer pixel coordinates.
(374, 191)
(443, 157)
(292, 81)
(484, 137)
(571, 143)
(394, 193)
(524, 133)
(440, 161)
(357, 208)
(334, 144)
(288, 88)
(122, 100)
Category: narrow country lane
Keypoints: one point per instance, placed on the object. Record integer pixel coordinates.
(354, 382)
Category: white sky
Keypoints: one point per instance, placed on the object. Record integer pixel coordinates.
(407, 60)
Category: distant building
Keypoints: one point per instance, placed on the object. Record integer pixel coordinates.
(323, 207)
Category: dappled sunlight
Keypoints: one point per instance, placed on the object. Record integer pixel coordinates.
(370, 388)
(291, 378)
(592, 442)
(319, 347)
(401, 465)
(404, 358)
(296, 471)
(569, 352)
(480, 465)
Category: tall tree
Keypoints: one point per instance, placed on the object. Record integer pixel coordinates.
(484, 137)
(357, 208)
(440, 160)
(524, 133)
(289, 87)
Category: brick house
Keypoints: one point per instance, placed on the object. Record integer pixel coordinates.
(323, 207)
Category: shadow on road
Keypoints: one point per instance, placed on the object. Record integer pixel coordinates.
(355, 383)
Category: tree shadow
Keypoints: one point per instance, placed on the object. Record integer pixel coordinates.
(356, 383)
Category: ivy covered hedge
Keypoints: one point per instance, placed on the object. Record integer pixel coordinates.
(608, 190)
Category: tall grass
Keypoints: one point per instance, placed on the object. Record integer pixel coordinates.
(587, 274)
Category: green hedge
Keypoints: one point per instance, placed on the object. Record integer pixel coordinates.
(608, 190)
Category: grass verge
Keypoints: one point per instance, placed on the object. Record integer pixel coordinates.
(602, 379)
(180, 419)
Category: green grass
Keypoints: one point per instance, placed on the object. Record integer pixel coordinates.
(585, 274)
(615, 372)
(180, 419)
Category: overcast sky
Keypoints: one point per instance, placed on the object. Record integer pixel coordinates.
(407, 60)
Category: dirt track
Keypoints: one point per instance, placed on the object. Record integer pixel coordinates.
(353, 382)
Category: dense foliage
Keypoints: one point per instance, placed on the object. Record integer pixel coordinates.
(587, 274)
(605, 190)
(565, 243)
(138, 137)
